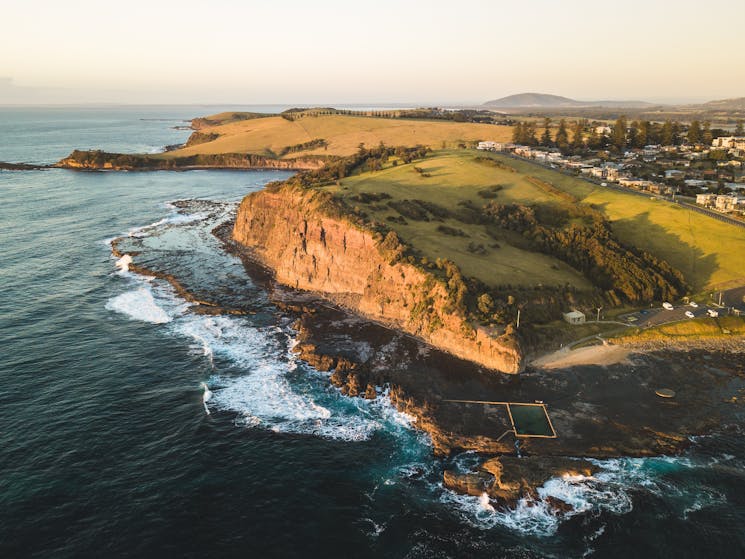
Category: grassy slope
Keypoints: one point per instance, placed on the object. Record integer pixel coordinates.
(455, 176)
(707, 251)
(343, 134)
(688, 329)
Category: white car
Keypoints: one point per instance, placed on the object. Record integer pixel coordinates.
(712, 313)
(689, 314)
(693, 304)
(667, 306)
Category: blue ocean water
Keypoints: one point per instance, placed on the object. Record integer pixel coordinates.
(131, 426)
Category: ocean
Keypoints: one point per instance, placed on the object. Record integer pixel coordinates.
(135, 427)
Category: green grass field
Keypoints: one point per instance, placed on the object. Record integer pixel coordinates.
(707, 251)
(343, 133)
(455, 176)
(705, 327)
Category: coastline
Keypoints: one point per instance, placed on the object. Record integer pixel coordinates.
(362, 357)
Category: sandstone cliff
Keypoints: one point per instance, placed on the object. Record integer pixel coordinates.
(311, 247)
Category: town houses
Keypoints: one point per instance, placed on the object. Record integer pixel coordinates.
(712, 177)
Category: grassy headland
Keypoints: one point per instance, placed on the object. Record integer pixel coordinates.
(271, 136)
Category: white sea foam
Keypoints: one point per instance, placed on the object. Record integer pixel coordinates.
(261, 391)
(139, 304)
(175, 218)
(206, 396)
(610, 490)
(124, 262)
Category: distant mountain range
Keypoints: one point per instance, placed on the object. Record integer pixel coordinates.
(736, 104)
(545, 100)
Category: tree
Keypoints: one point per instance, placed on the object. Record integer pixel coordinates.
(619, 134)
(706, 135)
(485, 303)
(739, 129)
(546, 137)
(642, 134)
(517, 133)
(666, 137)
(562, 138)
(676, 133)
(578, 140)
(694, 133)
(529, 137)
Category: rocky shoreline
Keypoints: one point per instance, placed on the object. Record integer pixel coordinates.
(598, 412)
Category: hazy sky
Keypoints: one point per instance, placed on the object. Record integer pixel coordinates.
(333, 51)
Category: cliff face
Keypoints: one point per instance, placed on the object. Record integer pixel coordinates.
(289, 231)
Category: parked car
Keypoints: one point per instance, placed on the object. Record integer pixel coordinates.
(667, 306)
(689, 314)
(694, 304)
(712, 313)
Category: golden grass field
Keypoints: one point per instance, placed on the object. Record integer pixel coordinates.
(343, 133)
(707, 251)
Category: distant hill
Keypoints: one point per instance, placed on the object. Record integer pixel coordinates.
(736, 104)
(547, 101)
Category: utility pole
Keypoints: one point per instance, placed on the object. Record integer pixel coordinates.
(518, 319)
(720, 298)
(598, 318)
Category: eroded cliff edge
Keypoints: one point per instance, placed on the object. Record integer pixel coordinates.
(310, 245)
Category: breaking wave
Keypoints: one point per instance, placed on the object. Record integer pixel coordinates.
(611, 490)
(255, 367)
(139, 304)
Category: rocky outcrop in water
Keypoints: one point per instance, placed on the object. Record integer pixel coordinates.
(97, 160)
(508, 478)
(310, 246)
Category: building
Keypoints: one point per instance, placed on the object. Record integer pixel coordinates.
(729, 142)
(706, 200)
(487, 146)
(574, 317)
(674, 174)
(729, 202)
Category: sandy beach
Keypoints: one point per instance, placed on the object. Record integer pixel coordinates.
(593, 355)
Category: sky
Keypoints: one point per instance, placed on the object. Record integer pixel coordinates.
(333, 51)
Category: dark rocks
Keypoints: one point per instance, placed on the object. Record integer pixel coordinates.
(468, 484)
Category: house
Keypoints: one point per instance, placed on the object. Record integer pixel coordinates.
(674, 174)
(574, 317)
(706, 200)
(661, 189)
(603, 130)
(729, 142)
(634, 183)
(695, 183)
(729, 202)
